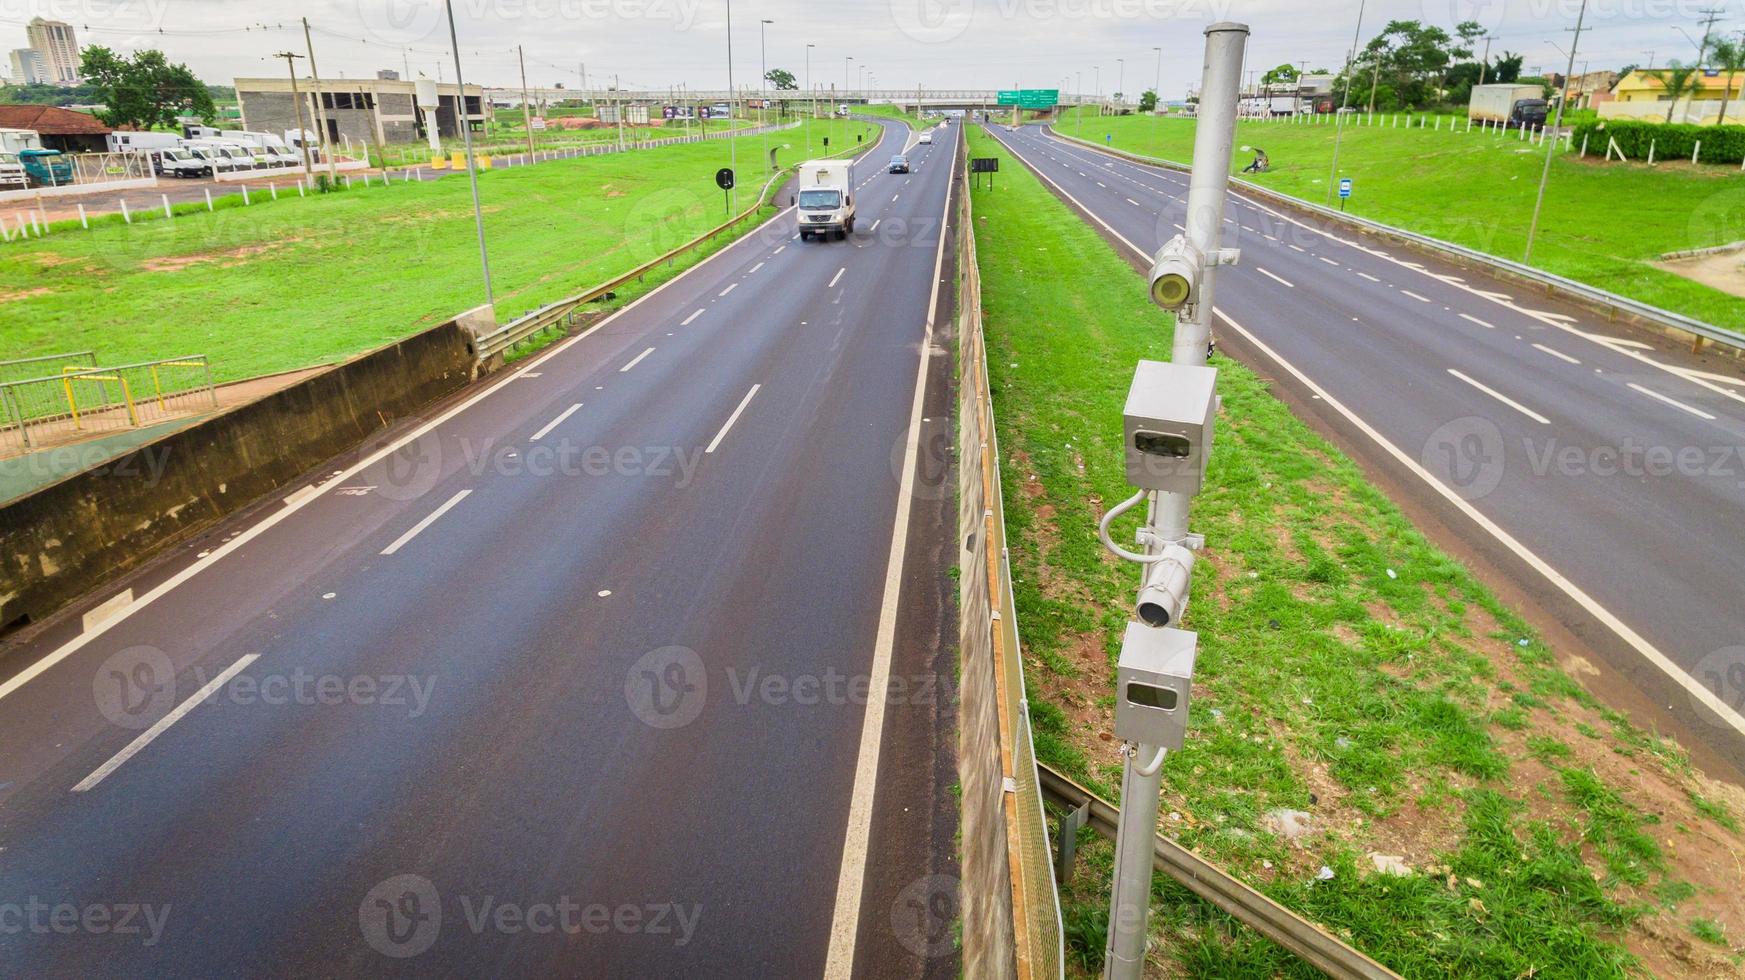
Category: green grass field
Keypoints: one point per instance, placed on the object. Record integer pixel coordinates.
(284, 285)
(1601, 224)
(1348, 668)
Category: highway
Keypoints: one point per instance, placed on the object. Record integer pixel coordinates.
(568, 678)
(1591, 471)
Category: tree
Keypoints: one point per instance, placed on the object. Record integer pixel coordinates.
(1729, 56)
(1678, 81)
(781, 78)
(1148, 101)
(144, 91)
(1507, 67)
(1410, 55)
(1283, 74)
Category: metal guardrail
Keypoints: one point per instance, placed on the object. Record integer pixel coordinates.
(26, 368)
(1608, 302)
(81, 400)
(1286, 928)
(562, 312)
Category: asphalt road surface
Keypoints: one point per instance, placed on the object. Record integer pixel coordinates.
(1597, 469)
(572, 683)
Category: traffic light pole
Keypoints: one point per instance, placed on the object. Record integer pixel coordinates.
(1169, 564)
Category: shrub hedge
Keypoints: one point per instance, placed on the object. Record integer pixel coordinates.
(1672, 141)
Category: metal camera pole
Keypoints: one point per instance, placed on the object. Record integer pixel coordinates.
(1181, 280)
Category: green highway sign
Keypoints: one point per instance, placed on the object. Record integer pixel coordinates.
(1030, 98)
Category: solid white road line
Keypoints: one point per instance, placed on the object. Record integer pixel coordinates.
(1651, 393)
(687, 320)
(175, 581)
(732, 419)
(163, 725)
(837, 278)
(433, 517)
(1707, 698)
(1499, 396)
(636, 360)
(1421, 299)
(1649, 652)
(1474, 319)
(839, 964)
(1556, 353)
(730, 288)
(566, 413)
(1269, 275)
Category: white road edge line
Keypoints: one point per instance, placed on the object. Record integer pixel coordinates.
(636, 360)
(1649, 652)
(1556, 353)
(554, 423)
(1499, 396)
(163, 725)
(1675, 403)
(1278, 279)
(839, 964)
(732, 419)
(430, 519)
(175, 581)
(836, 278)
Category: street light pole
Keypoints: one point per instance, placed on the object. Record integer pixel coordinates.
(1157, 85)
(1120, 83)
(732, 142)
(1344, 101)
(1081, 93)
(813, 93)
(1551, 144)
(466, 130)
(763, 90)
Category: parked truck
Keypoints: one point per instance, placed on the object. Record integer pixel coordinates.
(19, 140)
(12, 176)
(825, 202)
(1508, 105)
(278, 153)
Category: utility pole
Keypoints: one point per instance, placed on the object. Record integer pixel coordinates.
(618, 104)
(732, 143)
(1713, 14)
(1374, 78)
(1345, 100)
(1155, 670)
(1081, 113)
(763, 89)
(1485, 61)
(320, 110)
(297, 102)
(1120, 84)
(466, 131)
(1551, 144)
(813, 94)
(1157, 85)
(526, 107)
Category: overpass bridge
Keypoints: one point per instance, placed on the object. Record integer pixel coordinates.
(944, 98)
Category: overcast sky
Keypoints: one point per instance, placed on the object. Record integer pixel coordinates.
(652, 44)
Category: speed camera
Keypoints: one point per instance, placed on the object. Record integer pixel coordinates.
(1168, 426)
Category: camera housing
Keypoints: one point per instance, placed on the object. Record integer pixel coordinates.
(1153, 681)
(1168, 426)
(1176, 271)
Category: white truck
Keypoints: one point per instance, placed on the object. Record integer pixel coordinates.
(16, 140)
(1507, 104)
(825, 201)
(12, 176)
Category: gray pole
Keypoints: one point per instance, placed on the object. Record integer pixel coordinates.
(763, 89)
(297, 102)
(732, 141)
(320, 110)
(1157, 85)
(813, 93)
(526, 106)
(1214, 135)
(466, 131)
(1345, 100)
(1551, 144)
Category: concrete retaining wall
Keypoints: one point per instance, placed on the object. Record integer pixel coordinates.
(69, 537)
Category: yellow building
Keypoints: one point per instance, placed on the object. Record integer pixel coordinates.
(1640, 95)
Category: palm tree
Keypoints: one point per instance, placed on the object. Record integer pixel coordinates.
(1678, 81)
(1729, 56)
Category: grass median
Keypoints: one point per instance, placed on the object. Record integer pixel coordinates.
(295, 282)
(1602, 224)
(1362, 701)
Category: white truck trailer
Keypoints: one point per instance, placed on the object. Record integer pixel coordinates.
(825, 202)
(1507, 104)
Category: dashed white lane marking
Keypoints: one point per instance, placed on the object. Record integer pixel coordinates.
(636, 360)
(730, 288)
(150, 735)
(1327, 260)
(1278, 279)
(1555, 353)
(1408, 292)
(1675, 403)
(779, 250)
(1369, 277)
(1499, 396)
(875, 226)
(732, 419)
(1474, 319)
(837, 278)
(554, 423)
(1134, 203)
(687, 320)
(894, 198)
(429, 519)
(755, 268)
(1298, 248)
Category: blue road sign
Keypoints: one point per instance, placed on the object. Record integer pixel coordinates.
(1345, 187)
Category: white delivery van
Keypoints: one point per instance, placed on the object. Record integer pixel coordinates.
(214, 158)
(124, 142)
(176, 161)
(825, 202)
(278, 154)
(257, 156)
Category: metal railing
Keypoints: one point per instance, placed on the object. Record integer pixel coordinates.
(1308, 941)
(563, 312)
(80, 401)
(1610, 303)
(992, 626)
(26, 368)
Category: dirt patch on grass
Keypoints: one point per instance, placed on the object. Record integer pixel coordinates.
(18, 294)
(227, 259)
(1724, 270)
